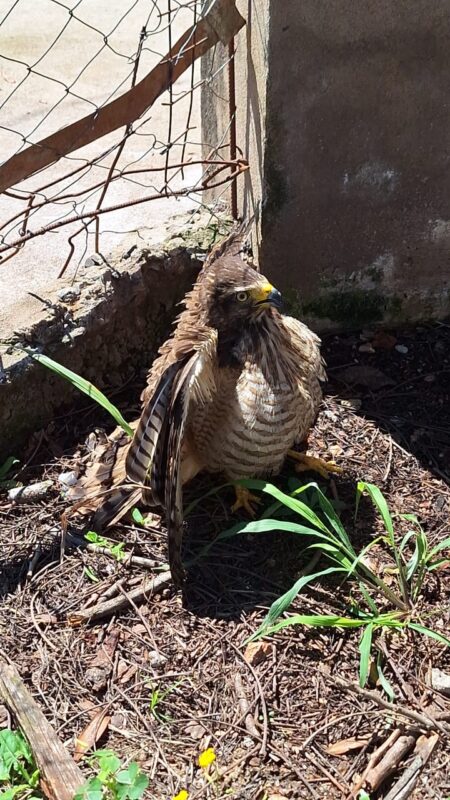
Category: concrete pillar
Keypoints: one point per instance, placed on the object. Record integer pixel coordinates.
(343, 113)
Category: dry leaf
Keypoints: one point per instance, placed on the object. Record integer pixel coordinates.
(126, 676)
(257, 652)
(345, 745)
(86, 705)
(91, 734)
(105, 653)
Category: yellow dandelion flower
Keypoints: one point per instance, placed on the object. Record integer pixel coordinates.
(206, 758)
(182, 795)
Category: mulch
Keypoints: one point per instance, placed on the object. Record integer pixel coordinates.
(172, 676)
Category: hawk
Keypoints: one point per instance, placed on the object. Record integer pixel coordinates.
(232, 390)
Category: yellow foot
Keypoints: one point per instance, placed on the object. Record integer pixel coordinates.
(312, 464)
(244, 499)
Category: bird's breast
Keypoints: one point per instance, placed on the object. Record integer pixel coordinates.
(250, 425)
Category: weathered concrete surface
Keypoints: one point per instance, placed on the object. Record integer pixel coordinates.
(346, 125)
(37, 107)
(106, 327)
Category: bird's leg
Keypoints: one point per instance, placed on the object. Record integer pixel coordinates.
(312, 464)
(244, 499)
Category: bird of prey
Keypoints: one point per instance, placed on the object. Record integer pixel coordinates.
(232, 390)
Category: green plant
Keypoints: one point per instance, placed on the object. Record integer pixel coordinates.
(84, 386)
(117, 550)
(325, 529)
(18, 771)
(113, 781)
(5, 468)
(157, 697)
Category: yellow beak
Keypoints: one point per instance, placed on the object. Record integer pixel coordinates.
(266, 295)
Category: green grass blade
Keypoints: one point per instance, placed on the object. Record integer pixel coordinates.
(379, 502)
(441, 546)
(428, 632)
(7, 466)
(384, 683)
(280, 605)
(319, 621)
(290, 502)
(266, 525)
(84, 386)
(333, 519)
(365, 646)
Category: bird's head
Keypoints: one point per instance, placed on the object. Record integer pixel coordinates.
(237, 295)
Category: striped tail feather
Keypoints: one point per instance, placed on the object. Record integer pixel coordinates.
(145, 462)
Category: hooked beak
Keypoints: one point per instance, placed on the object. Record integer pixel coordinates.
(266, 296)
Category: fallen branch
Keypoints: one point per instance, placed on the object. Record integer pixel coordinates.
(59, 775)
(390, 762)
(404, 786)
(148, 588)
(396, 709)
(221, 23)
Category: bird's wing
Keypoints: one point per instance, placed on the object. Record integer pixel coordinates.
(307, 344)
(154, 457)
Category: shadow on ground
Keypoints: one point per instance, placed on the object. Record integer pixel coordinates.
(401, 380)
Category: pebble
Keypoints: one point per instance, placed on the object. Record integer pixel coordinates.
(69, 294)
(366, 348)
(27, 494)
(95, 260)
(156, 659)
(68, 478)
(440, 681)
(401, 348)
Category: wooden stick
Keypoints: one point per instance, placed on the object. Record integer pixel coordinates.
(221, 23)
(143, 592)
(396, 709)
(390, 761)
(405, 785)
(60, 777)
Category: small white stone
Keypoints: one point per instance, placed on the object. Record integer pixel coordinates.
(69, 294)
(30, 493)
(68, 478)
(401, 348)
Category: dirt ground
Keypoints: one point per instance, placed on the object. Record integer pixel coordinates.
(171, 676)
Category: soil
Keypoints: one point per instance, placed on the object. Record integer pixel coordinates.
(173, 676)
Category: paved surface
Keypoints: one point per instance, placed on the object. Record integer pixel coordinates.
(25, 35)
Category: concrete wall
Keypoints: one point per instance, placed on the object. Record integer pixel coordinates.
(343, 112)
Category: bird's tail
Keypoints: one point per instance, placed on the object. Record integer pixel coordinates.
(103, 491)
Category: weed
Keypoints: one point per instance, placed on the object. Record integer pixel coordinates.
(5, 468)
(84, 386)
(114, 549)
(113, 781)
(331, 539)
(157, 697)
(18, 771)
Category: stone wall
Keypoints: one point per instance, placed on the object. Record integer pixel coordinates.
(106, 327)
(343, 114)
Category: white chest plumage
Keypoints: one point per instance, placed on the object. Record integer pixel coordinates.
(257, 411)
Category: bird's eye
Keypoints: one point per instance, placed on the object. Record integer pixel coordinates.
(241, 297)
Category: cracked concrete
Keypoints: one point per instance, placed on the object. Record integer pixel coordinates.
(106, 328)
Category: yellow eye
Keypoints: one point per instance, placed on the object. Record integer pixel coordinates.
(241, 296)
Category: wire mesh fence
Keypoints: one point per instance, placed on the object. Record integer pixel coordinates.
(99, 115)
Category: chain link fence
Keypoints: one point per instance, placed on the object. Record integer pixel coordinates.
(100, 122)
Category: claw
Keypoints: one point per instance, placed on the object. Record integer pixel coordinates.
(244, 499)
(313, 464)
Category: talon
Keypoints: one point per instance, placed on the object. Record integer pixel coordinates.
(244, 499)
(313, 464)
